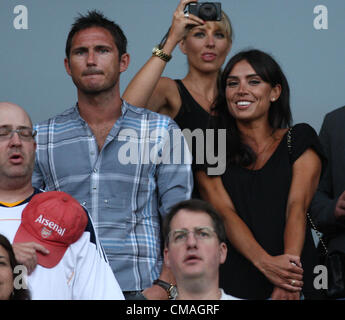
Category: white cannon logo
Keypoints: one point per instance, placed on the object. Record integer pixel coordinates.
(46, 233)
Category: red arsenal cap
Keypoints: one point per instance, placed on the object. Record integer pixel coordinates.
(55, 220)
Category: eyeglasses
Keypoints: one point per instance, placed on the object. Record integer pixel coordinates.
(25, 134)
(179, 236)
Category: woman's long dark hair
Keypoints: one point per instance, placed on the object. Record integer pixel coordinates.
(279, 115)
(17, 294)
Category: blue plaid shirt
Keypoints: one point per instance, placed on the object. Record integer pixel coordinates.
(126, 201)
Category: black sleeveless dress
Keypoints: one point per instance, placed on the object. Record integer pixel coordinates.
(191, 116)
(260, 198)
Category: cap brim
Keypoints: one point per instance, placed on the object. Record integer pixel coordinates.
(56, 251)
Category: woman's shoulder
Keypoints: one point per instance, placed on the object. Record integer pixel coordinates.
(303, 129)
(303, 136)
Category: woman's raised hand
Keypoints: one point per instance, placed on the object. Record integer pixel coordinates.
(181, 20)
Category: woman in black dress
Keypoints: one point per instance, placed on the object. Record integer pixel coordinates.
(272, 173)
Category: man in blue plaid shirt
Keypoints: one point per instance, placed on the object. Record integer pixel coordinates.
(126, 165)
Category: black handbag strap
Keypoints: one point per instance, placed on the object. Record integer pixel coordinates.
(318, 233)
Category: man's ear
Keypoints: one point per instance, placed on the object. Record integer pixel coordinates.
(67, 66)
(223, 251)
(124, 62)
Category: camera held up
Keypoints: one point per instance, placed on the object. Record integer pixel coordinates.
(208, 11)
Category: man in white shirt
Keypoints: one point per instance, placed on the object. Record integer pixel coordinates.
(194, 248)
(57, 231)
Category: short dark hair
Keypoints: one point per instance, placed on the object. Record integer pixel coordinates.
(279, 114)
(95, 18)
(195, 205)
(17, 294)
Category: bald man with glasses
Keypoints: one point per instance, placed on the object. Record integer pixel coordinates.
(82, 270)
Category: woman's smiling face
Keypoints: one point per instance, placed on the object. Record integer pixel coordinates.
(248, 96)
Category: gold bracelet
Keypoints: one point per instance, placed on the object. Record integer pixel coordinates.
(161, 54)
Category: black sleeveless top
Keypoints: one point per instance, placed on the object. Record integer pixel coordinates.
(260, 198)
(191, 116)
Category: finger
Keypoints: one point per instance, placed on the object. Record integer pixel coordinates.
(291, 288)
(296, 283)
(31, 247)
(292, 270)
(295, 262)
(23, 251)
(183, 3)
(40, 248)
(295, 270)
(193, 18)
(291, 276)
(292, 285)
(183, 11)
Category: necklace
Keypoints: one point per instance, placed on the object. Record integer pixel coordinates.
(203, 100)
(268, 145)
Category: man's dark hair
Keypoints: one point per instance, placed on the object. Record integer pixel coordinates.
(95, 18)
(195, 205)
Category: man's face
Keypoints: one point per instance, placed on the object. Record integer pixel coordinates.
(17, 154)
(94, 63)
(197, 255)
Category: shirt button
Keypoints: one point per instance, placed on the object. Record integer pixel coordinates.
(94, 170)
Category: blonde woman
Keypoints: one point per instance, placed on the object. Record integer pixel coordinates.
(206, 45)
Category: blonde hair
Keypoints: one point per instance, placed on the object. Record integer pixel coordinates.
(224, 24)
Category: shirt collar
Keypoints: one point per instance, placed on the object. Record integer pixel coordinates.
(124, 108)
